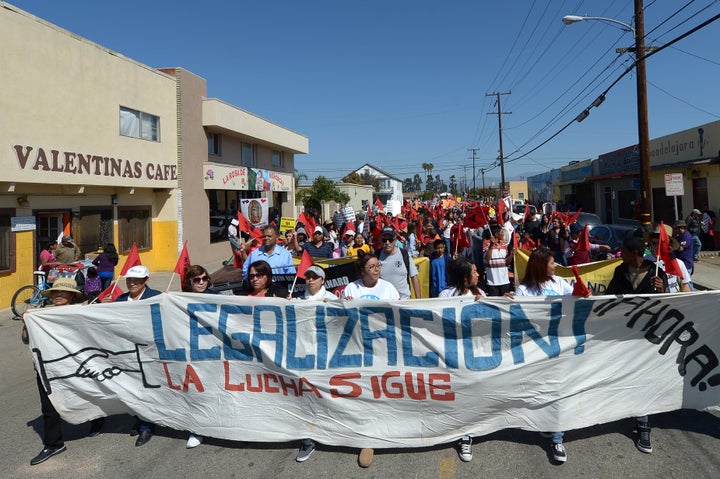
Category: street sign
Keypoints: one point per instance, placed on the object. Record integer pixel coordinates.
(674, 184)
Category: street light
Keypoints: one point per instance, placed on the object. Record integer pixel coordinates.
(642, 106)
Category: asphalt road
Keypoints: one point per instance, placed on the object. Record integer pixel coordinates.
(686, 445)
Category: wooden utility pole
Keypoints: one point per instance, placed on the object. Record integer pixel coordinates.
(500, 113)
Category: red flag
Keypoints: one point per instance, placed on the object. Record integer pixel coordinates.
(458, 237)
(305, 262)
(248, 227)
(113, 290)
(133, 259)
(515, 240)
(579, 288)
(309, 223)
(584, 240)
(183, 263)
(500, 210)
(378, 203)
(527, 212)
(572, 219)
(671, 266)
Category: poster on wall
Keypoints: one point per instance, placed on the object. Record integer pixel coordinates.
(255, 210)
(220, 177)
(259, 179)
(281, 182)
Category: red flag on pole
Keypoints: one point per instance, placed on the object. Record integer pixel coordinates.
(458, 237)
(305, 262)
(309, 223)
(671, 266)
(583, 240)
(579, 288)
(500, 210)
(248, 227)
(133, 259)
(113, 290)
(572, 219)
(526, 217)
(183, 263)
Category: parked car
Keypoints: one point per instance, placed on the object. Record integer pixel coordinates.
(611, 235)
(520, 209)
(587, 219)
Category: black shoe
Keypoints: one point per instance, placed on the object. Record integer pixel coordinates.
(135, 429)
(143, 438)
(643, 443)
(96, 426)
(46, 454)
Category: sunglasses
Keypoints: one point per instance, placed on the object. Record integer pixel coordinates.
(252, 276)
(387, 240)
(200, 279)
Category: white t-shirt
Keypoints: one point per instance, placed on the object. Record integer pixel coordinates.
(556, 286)
(394, 271)
(382, 290)
(496, 271)
(674, 282)
(452, 291)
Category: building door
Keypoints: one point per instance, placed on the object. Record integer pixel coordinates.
(700, 194)
(608, 205)
(49, 226)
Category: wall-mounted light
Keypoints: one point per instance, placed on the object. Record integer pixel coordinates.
(114, 200)
(22, 201)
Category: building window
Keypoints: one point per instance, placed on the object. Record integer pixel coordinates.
(138, 124)
(134, 226)
(277, 158)
(248, 155)
(7, 242)
(214, 144)
(93, 228)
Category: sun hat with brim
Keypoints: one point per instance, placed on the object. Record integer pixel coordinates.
(63, 284)
(649, 235)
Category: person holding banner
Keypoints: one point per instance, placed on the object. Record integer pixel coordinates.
(637, 275)
(259, 279)
(63, 292)
(197, 280)
(279, 258)
(497, 259)
(676, 284)
(369, 286)
(540, 280)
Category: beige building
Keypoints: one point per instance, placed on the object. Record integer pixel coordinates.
(106, 149)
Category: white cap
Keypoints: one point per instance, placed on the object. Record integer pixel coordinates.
(138, 272)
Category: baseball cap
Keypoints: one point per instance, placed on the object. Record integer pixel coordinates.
(697, 211)
(301, 231)
(388, 231)
(574, 228)
(317, 270)
(349, 233)
(318, 229)
(138, 272)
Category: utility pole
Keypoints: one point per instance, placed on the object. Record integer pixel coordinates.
(464, 188)
(642, 108)
(474, 151)
(482, 171)
(500, 113)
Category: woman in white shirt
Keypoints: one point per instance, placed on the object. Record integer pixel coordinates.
(370, 286)
(463, 279)
(540, 280)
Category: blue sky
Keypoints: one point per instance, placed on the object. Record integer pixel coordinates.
(401, 83)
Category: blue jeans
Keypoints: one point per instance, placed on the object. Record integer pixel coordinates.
(697, 246)
(557, 437)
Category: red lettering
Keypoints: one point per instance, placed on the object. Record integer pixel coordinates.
(343, 380)
(250, 387)
(437, 396)
(228, 385)
(308, 387)
(288, 385)
(167, 375)
(268, 388)
(386, 383)
(191, 377)
(418, 394)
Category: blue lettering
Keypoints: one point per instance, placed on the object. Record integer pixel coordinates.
(293, 362)
(431, 357)
(388, 334)
(163, 353)
(244, 353)
(450, 334)
(259, 336)
(340, 360)
(196, 330)
(519, 325)
(481, 311)
(580, 316)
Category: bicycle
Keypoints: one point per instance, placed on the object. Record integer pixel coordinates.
(30, 295)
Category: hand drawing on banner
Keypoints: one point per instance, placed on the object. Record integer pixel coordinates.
(91, 363)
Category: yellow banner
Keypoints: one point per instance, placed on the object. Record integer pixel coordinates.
(286, 224)
(596, 275)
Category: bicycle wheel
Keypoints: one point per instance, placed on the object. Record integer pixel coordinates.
(24, 297)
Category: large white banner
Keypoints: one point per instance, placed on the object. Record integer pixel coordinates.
(376, 374)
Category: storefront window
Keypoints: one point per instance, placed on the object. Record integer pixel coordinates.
(93, 228)
(134, 226)
(7, 242)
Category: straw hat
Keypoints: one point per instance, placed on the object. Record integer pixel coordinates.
(63, 284)
(648, 235)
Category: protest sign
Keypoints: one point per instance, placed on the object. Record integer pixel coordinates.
(377, 374)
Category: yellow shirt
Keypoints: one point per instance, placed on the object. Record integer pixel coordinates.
(353, 251)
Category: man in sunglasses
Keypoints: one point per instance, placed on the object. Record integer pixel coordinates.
(317, 247)
(279, 258)
(397, 267)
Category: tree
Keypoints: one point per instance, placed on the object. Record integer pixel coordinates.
(453, 185)
(352, 178)
(320, 191)
(299, 177)
(439, 184)
(428, 167)
(363, 179)
(408, 185)
(417, 182)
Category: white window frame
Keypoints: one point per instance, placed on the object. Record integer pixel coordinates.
(138, 124)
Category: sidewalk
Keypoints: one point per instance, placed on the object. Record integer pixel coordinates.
(707, 271)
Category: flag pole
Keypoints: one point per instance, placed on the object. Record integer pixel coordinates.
(111, 291)
(171, 280)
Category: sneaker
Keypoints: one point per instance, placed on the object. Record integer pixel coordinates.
(306, 449)
(366, 457)
(558, 452)
(643, 443)
(465, 449)
(46, 454)
(194, 441)
(96, 426)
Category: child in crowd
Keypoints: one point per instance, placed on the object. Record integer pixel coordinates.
(93, 283)
(438, 268)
